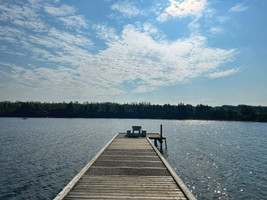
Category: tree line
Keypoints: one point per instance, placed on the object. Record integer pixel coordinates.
(133, 110)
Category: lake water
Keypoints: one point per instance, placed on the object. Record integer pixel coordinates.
(216, 160)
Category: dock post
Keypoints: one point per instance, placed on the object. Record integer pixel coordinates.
(161, 138)
(155, 142)
(165, 144)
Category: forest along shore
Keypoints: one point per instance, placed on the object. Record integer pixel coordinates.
(133, 110)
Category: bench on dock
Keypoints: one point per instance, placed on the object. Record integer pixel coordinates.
(136, 132)
(137, 128)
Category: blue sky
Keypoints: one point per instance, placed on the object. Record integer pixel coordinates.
(168, 51)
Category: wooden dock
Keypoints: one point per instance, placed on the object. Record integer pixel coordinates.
(127, 168)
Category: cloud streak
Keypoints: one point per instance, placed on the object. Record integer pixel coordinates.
(74, 22)
(64, 10)
(127, 8)
(238, 8)
(219, 74)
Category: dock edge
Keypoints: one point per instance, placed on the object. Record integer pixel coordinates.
(176, 178)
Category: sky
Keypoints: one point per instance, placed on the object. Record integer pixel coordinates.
(211, 52)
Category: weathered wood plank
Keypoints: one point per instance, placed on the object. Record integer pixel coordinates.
(111, 163)
(127, 171)
(126, 188)
(136, 194)
(128, 153)
(124, 198)
(91, 191)
(134, 158)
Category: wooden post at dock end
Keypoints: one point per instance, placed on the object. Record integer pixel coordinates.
(161, 138)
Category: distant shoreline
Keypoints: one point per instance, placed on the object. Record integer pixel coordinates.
(133, 111)
(134, 118)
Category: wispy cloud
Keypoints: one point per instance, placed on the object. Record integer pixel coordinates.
(127, 8)
(105, 32)
(74, 21)
(67, 15)
(216, 30)
(183, 9)
(222, 19)
(149, 28)
(23, 16)
(240, 7)
(64, 10)
(224, 73)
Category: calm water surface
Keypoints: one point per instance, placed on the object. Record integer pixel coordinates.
(216, 160)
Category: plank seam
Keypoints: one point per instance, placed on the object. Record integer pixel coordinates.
(125, 167)
(130, 161)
